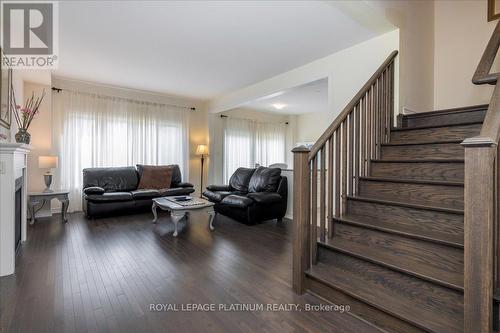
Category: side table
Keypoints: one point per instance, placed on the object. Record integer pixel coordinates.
(40, 198)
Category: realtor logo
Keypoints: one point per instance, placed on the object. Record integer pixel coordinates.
(29, 34)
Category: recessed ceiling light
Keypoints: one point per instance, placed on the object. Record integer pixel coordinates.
(279, 106)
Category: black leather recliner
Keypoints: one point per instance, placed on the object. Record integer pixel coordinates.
(111, 191)
(252, 196)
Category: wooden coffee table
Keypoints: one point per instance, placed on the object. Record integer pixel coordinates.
(178, 211)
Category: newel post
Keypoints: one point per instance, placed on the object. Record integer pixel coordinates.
(479, 221)
(300, 243)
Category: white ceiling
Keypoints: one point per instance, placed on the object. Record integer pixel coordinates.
(197, 49)
(307, 98)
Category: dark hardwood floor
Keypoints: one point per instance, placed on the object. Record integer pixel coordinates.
(102, 276)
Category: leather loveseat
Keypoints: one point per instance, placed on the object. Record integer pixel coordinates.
(252, 195)
(111, 191)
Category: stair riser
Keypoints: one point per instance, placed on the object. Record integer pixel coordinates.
(425, 194)
(438, 225)
(427, 260)
(365, 311)
(396, 255)
(444, 119)
(429, 151)
(436, 134)
(408, 297)
(420, 171)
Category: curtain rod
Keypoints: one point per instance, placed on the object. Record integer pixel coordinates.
(224, 116)
(192, 108)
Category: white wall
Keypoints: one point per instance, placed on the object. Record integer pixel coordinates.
(41, 142)
(40, 131)
(461, 34)
(415, 21)
(307, 126)
(19, 76)
(440, 45)
(41, 139)
(346, 71)
(245, 113)
(198, 134)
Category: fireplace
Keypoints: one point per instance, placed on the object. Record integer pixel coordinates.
(18, 211)
(13, 203)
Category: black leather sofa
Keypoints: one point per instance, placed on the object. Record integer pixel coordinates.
(252, 195)
(112, 191)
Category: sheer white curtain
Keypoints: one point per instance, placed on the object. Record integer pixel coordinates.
(248, 142)
(104, 131)
(270, 143)
(238, 145)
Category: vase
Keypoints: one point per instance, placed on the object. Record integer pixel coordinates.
(23, 136)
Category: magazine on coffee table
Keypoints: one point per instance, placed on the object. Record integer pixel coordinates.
(185, 203)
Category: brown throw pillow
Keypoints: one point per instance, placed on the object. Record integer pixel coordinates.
(156, 177)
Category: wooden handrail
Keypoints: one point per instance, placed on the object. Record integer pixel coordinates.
(345, 112)
(482, 74)
(328, 173)
(481, 205)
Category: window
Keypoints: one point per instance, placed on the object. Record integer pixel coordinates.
(248, 142)
(102, 131)
(270, 143)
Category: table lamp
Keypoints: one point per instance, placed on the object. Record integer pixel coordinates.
(48, 162)
(202, 150)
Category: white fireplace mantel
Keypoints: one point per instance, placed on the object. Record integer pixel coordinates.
(13, 164)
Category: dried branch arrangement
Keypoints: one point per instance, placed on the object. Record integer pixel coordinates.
(24, 115)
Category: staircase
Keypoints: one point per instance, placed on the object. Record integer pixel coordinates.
(396, 253)
(402, 223)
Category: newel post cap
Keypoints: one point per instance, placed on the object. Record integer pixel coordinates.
(478, 141)
(301, 149)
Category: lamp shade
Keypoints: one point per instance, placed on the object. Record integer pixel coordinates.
(48, 162)
(202, 150)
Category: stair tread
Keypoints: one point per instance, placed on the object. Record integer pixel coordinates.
(445, 194)
(420, 160)
(419, 143)
(418, 170)
(434, 262)
(412, 128)
(399, 245)
(407, 204)
(445, 117)
(435, 134)
(427, 305)
(449, 110)
(440, 225)
(412, 181)
(423, 150)
(407, 231)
